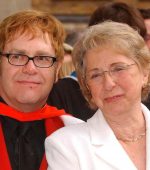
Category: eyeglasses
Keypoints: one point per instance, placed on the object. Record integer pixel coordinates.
(21, 60)
(116, 71)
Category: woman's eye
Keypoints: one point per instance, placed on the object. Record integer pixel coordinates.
(118, 69)
(96, 75)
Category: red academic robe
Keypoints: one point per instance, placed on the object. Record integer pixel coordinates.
(52, 122)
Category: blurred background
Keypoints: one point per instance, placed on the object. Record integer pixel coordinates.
(73, 13)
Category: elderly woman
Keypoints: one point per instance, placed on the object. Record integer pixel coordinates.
(112, 63)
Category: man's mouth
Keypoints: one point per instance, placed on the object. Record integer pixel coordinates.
(29, 83)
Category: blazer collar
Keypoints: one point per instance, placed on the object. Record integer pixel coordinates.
(106, 145)
(146, 113)
(100, 132)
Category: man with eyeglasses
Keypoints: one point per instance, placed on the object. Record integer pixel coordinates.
(31, 51)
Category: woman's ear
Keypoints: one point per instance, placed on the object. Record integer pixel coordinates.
(146, 77)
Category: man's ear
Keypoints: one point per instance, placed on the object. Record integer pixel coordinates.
(59, 64)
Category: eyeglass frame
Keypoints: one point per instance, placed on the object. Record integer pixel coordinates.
(102, 74)
(7, 55)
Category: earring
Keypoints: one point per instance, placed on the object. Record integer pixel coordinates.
(146, 85)
(87, 87)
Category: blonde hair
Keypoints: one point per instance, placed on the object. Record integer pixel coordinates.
(66, 69)
(67, 66)
(122, 38)
(33, 22)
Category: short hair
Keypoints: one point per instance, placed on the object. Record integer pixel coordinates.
(119, 12)
(110, 35)
(145, 13)
(34, 23)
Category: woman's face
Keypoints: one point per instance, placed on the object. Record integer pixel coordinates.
(118, 90)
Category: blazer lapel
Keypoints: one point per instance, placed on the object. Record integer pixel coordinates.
(106, 146)
(113, 154)
(147, 119)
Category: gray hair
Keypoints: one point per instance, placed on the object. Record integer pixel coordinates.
(122, 38)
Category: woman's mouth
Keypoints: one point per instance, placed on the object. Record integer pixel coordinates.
(113, 98)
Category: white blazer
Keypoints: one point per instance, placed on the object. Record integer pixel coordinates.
(91, 146)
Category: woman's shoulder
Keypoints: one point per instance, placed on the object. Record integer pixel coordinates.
(70, 132)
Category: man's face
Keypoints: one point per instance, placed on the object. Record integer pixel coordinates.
(26, 88)
(147, 24)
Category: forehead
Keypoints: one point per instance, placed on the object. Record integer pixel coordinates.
(29, 42)
(106, 53)
(104, 57)
(29, 35)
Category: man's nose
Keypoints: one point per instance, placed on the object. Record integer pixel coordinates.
(30, 68)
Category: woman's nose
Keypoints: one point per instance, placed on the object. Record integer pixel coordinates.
(109, 81)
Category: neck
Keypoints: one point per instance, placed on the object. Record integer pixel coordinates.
(25, 107)
(128, 126)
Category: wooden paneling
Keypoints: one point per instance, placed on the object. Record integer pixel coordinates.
(75, 13)
(67, 7)
(78, 7)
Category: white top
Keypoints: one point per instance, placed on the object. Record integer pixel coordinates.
(91, 146)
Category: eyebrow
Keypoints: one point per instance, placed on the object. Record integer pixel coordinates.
(22, 51)
(15, 51)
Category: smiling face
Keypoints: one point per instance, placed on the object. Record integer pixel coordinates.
(116, 93)
(26, 88)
